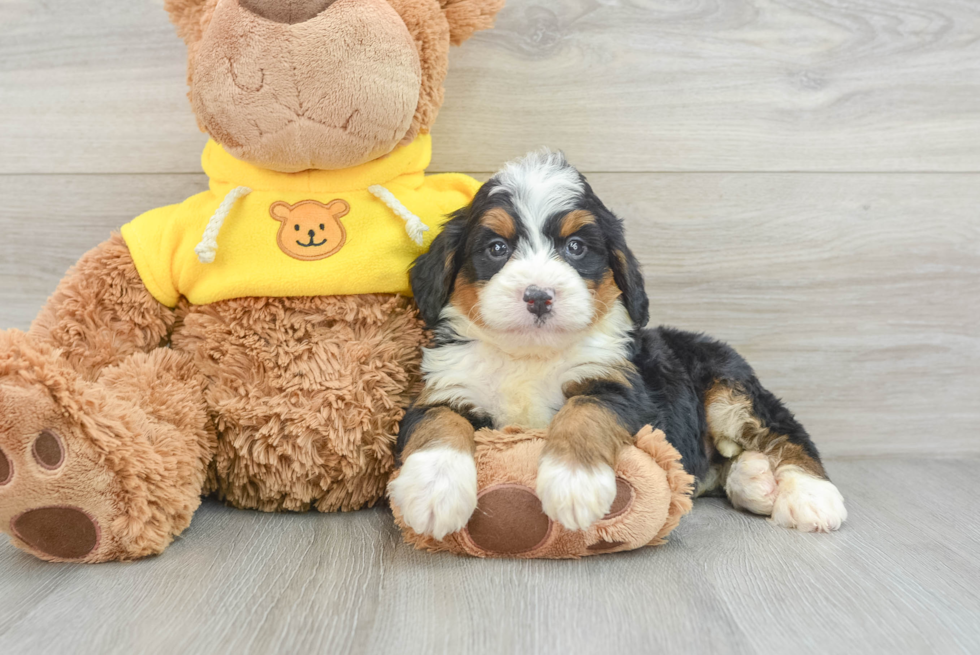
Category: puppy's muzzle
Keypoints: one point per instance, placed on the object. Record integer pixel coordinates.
(539, 301)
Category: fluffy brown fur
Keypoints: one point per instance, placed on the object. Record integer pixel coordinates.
(655, 492)
(285, 377)
(101, 313)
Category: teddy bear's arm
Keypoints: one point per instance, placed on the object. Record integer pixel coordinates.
(101, 311)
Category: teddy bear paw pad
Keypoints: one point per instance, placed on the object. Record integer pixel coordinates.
(509, 520)
(6, 470)
(44, 485)
(64, 533)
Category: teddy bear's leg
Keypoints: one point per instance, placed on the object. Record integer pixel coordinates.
(103, 446)
(307, 394)
(104, 470)
(773, 468)
(101, 313)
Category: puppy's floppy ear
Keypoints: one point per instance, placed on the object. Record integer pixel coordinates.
(626, 270)
(629, 279)
(434, 273)
(469, 16)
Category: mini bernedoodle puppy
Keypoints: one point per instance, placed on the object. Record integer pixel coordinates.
(538, 309)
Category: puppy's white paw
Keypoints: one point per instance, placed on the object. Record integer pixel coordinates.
(435, 491)
(751, 484)
(807, 503)
(575, 496)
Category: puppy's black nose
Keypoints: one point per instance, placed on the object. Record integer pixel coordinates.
(538, 300)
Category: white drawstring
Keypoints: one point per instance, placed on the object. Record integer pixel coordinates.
(413, 224)
(209, 242)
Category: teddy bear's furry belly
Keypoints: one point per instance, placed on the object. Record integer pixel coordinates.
(305, 394)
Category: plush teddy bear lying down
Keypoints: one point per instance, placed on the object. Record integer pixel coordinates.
(653, 492)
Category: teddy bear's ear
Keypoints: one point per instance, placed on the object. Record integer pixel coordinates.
(190, 17)
(280, 211)
(469, 16)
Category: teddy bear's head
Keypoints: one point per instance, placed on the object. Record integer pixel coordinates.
(292, 85)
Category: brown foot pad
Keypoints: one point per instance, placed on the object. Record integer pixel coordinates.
(6, 470)
(60, 532)
(508, 520)
(602, 546)
(48, 450)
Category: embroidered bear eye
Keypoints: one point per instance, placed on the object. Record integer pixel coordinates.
(297, 227)
(321, 227)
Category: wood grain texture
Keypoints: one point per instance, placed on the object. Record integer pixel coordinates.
(901, 576)
(854, 296)
(633, 85)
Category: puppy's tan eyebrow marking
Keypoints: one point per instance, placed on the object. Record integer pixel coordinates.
(499, 221)
(574, 221)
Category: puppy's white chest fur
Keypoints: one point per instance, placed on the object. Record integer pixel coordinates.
(521, 386)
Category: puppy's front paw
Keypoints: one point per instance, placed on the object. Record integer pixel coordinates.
(575, 496)
(807, 503)
(435, 491)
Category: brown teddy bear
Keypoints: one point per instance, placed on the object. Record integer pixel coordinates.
(257, 339)
(653, 492)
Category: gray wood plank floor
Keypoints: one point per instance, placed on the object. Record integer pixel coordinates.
(902, 576)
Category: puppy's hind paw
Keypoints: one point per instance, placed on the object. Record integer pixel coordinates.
(807, 503)
(751, 484)
(435, 491)
(576, 496)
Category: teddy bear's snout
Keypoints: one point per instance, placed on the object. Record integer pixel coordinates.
(291, 12)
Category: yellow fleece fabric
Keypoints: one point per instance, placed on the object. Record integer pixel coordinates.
(282, 239)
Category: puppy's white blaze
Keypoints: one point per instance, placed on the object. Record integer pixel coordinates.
(518, 383)
(751, 484)
(502, 306)
(540, 184)
(436, 490)
(575, 496)
(807, 503)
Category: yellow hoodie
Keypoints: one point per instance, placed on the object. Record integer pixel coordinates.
(296, 234)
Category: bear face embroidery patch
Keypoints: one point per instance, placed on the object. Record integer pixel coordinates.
(310, 230)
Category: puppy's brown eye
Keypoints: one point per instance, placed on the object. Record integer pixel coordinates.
(498, 249)
(576, 248)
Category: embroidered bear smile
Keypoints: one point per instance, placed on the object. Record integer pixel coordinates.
(311, 244)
